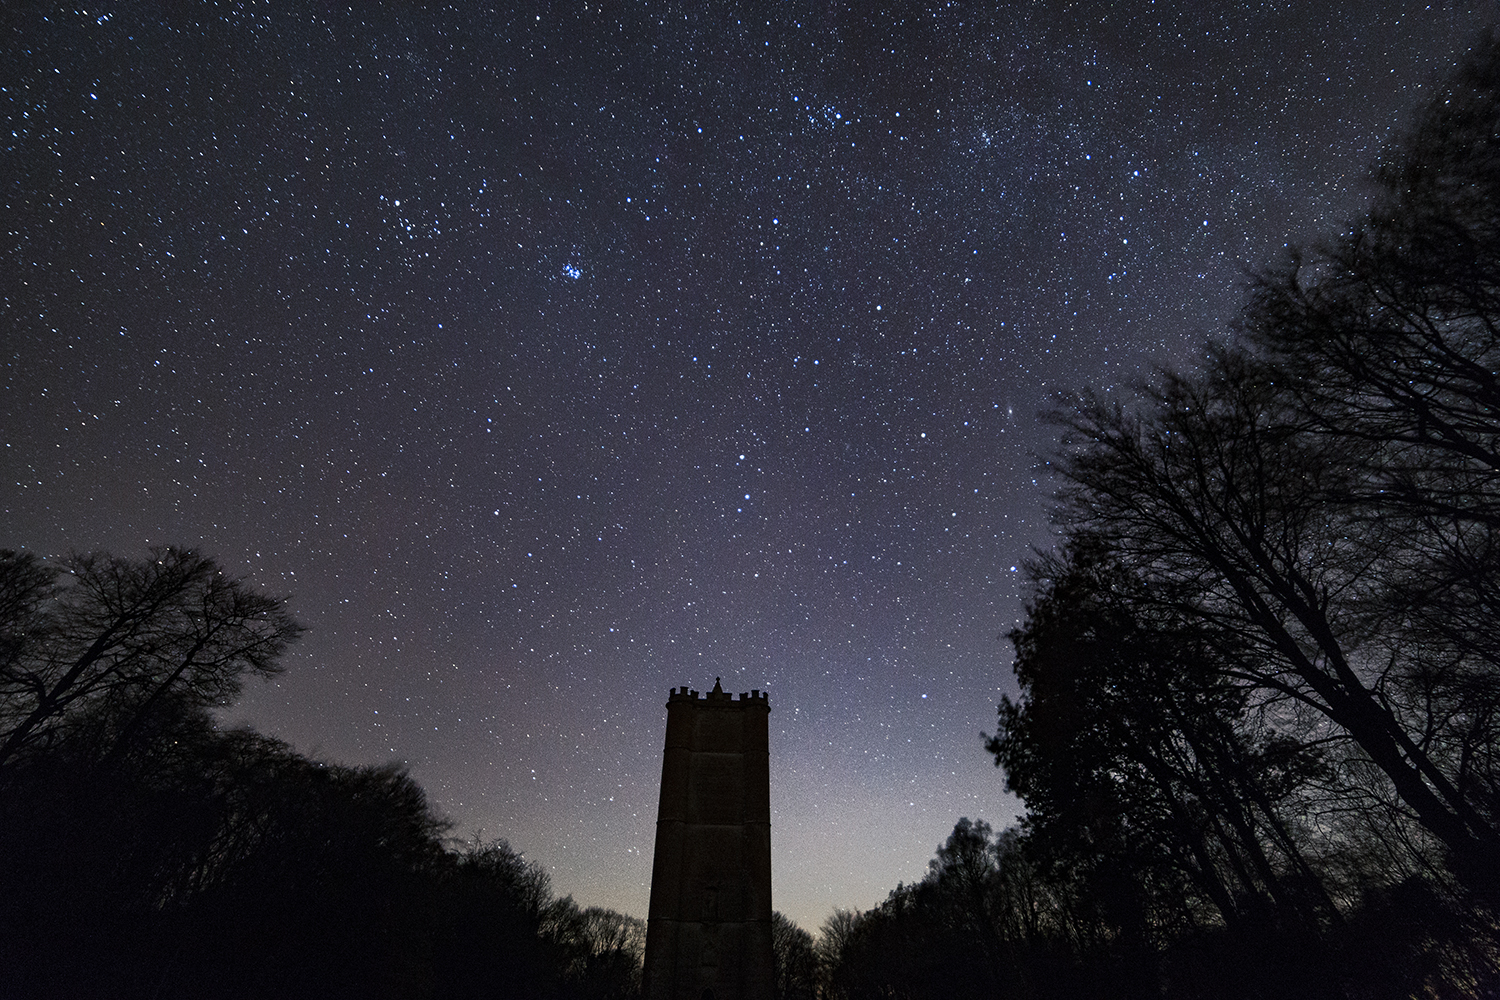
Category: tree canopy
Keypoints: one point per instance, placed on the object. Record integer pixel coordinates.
(147, 852)
(1260, 674)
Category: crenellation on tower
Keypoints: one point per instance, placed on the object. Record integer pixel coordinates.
(687, 694)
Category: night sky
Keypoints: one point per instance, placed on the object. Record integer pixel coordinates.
(551, 359)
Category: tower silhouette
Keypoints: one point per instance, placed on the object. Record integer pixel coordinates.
(708, 931)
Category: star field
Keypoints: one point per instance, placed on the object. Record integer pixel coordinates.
(552, 358)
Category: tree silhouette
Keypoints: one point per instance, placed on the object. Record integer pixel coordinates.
(1385, 344)
(1215, 496)
(111, 640)
(795, 960)
(146, 852)
(1133, 747)
(1260, 677)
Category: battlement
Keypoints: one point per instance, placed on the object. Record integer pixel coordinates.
(684, 693)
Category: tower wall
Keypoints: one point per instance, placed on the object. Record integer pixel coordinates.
(708, 931)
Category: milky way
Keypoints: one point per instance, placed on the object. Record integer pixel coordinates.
(549, 360)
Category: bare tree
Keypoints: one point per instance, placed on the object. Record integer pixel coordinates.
(1133, 747)
(796, 961)
(111, 639)
(831, 944)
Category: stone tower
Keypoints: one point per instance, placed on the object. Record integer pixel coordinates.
(708, 932)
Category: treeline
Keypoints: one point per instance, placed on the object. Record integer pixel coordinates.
(1258, 730)
(144, 852)
(1006, 915)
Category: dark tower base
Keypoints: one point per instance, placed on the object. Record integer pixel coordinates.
(708, 934)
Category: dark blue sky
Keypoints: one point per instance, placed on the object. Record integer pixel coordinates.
(550, 359)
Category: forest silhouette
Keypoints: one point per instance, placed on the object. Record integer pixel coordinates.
(145, 852)
(1257, 734)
